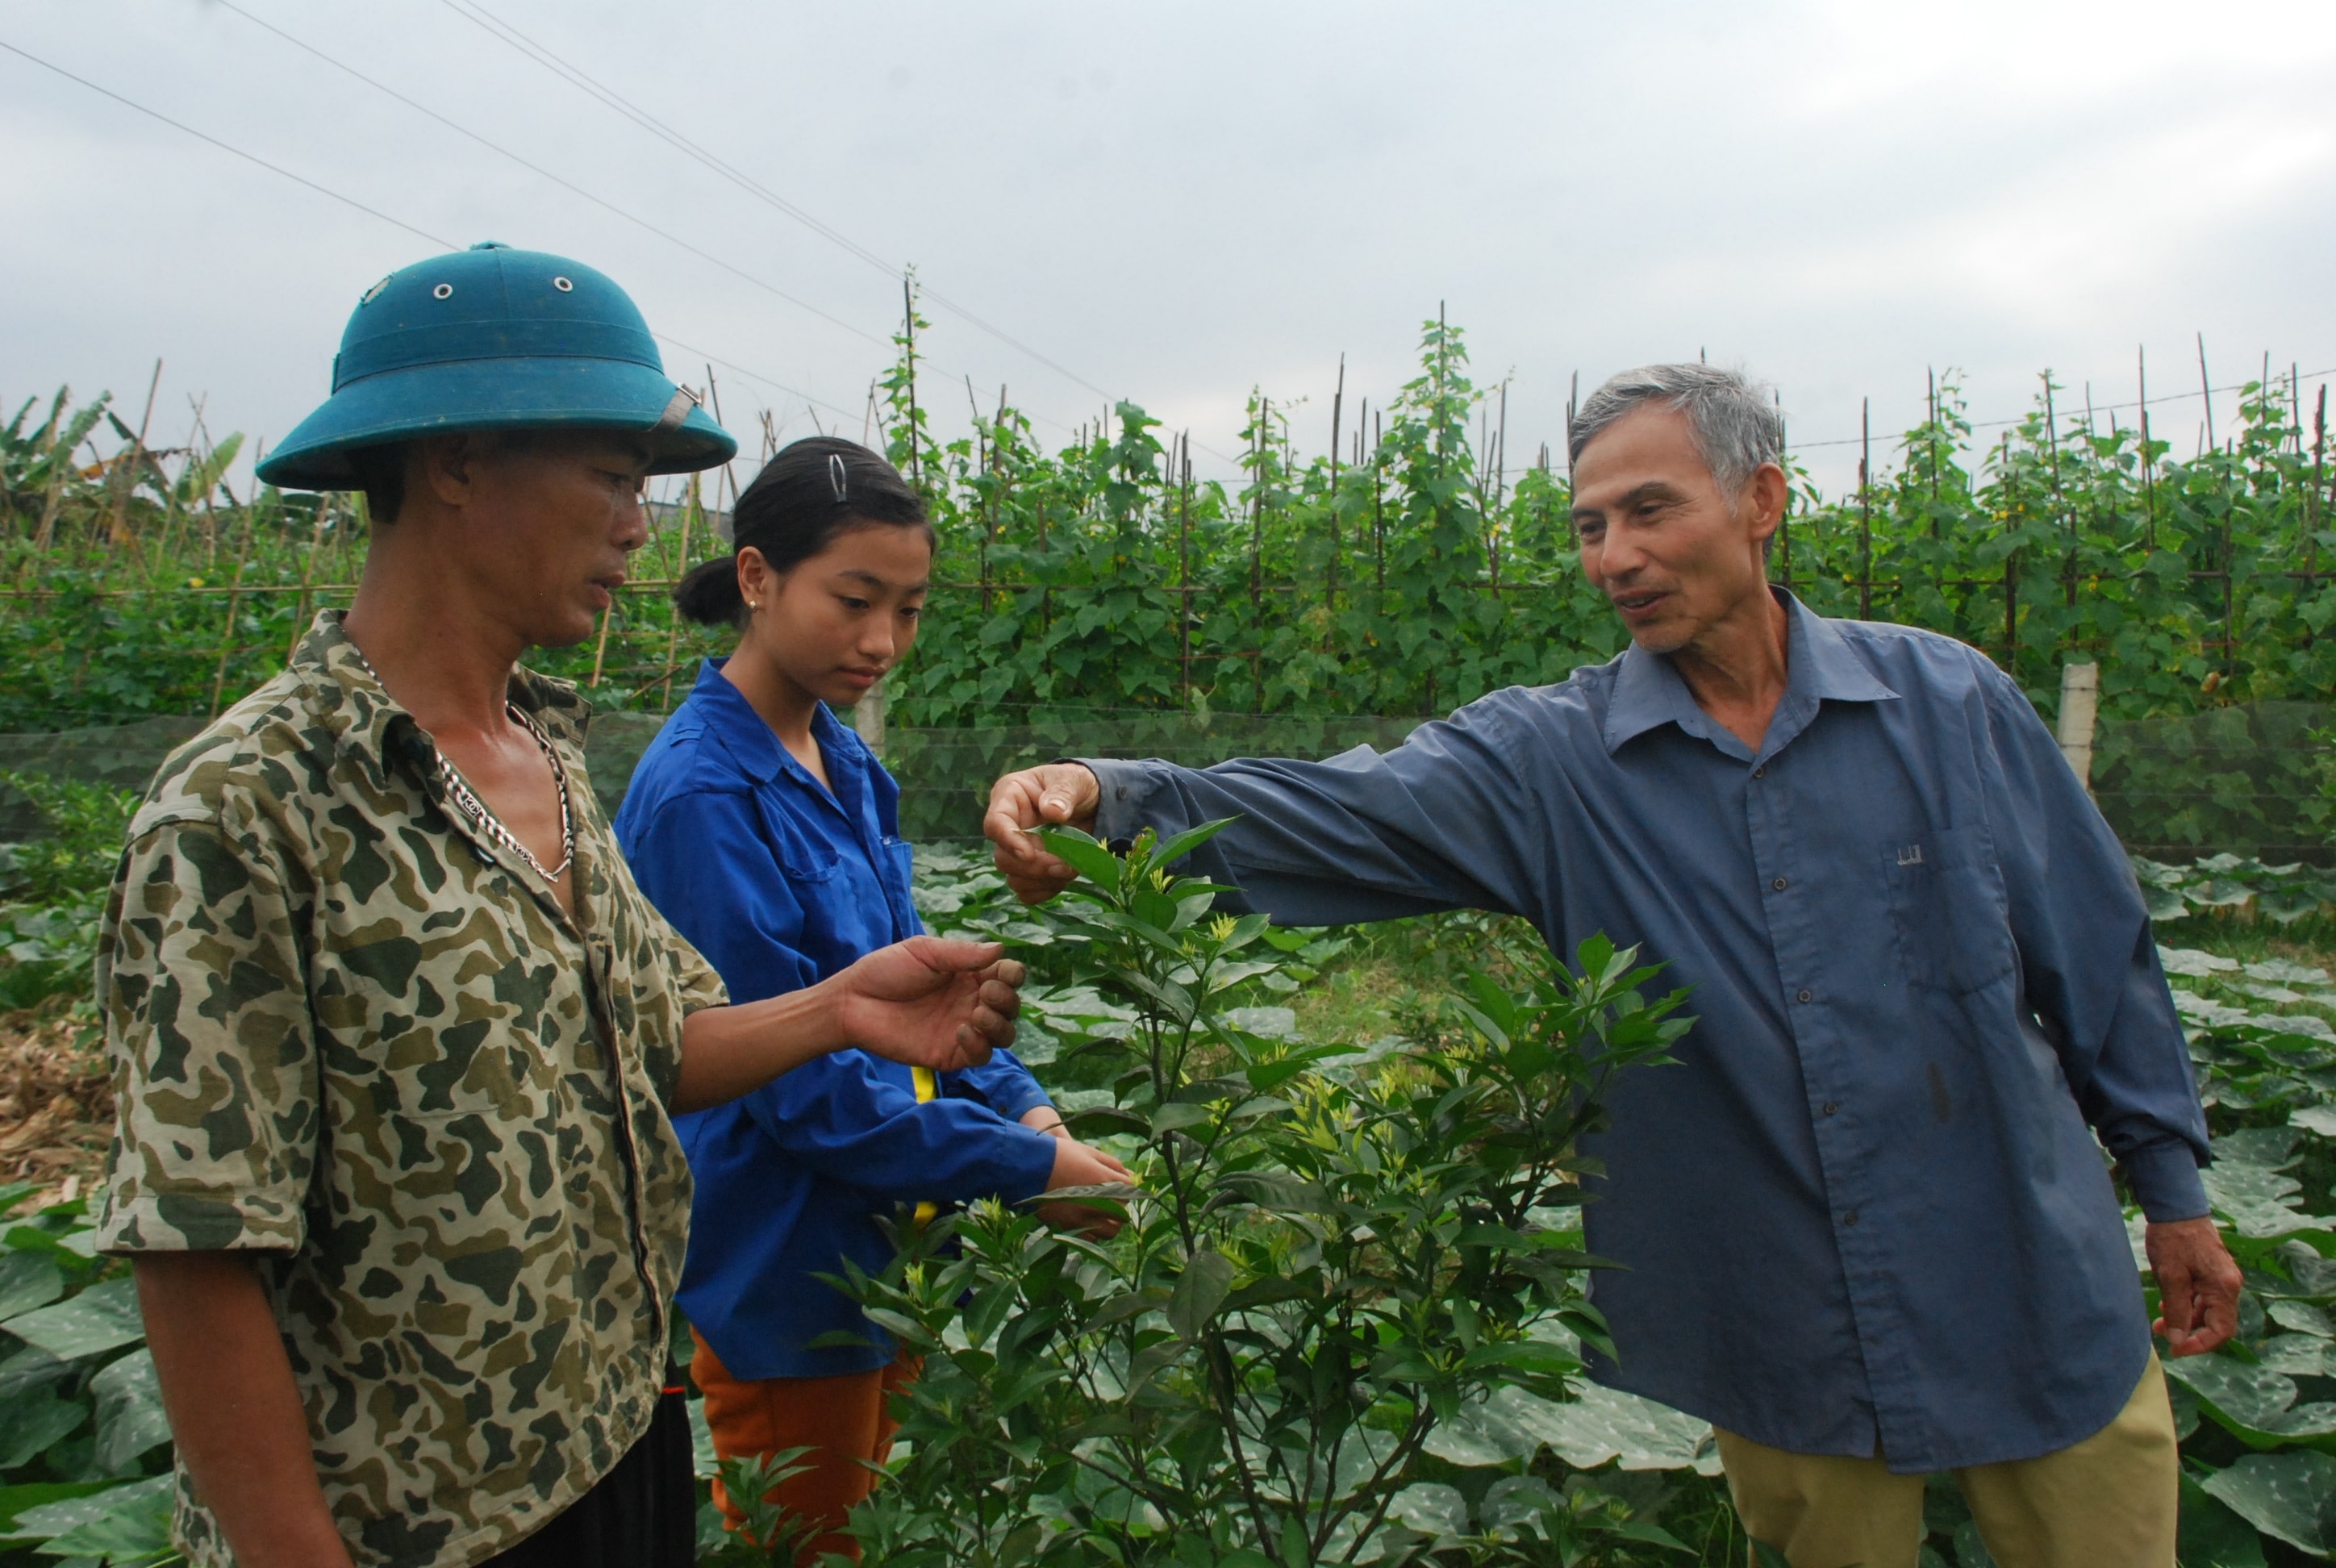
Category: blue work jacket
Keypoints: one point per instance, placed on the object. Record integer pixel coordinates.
(781, 884)
(1866, 1210)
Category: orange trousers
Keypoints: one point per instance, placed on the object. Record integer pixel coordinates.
(843, 1420)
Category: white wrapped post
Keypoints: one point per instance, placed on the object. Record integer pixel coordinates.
(868, 718)
(2080, 702)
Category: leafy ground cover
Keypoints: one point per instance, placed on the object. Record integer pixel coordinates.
(1523, 1462)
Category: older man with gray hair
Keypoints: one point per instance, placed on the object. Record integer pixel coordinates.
(1870, 1221)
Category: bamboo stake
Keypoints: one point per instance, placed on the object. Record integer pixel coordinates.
(1184, 570)
(1864, 508)
(308, 575)
(58, 462)
(1338, 534)
(673, 636)
(915, 448)
(234, 601)
(2148, 465)
(2206, 386)
(123, 537)
(600, 647)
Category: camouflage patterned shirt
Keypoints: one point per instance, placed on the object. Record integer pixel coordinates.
(354, 1038)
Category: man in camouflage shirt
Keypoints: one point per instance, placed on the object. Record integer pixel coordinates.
(397, 1038)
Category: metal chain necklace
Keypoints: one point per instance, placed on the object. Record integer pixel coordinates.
(476, 809)
(493, 827)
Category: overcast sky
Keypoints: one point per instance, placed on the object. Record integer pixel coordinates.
(1175, 204)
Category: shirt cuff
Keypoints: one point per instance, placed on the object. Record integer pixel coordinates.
(1120, 786)
(1022, 1104)
(2163, 1176)
(1032, 1162)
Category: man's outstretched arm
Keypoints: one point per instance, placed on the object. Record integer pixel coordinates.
(1441, 822)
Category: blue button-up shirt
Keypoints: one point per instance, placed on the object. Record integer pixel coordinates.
(780, 883)
(1866, 1210)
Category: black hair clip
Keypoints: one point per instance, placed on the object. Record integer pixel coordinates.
(835, 476)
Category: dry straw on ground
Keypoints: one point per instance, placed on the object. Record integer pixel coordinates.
(56, 1103)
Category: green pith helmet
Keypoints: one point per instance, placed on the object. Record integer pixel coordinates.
(492, 338)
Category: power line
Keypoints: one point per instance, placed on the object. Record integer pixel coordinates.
(601, 201)
(611, 207)
(479, 16)
(327, 190)
(238, 152)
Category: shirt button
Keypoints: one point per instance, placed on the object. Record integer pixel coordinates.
(1850, 1218)
(1831, 1107)
(1779, 884)
(1802, 995)
(1759, 773)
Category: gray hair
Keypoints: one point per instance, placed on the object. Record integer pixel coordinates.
(1734, 419)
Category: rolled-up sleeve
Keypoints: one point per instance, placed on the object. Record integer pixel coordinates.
(1002, 1082)
(209, 1024)
(2090, 961)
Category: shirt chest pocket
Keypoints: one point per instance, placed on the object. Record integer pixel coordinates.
(804, 857)
(1951, 922)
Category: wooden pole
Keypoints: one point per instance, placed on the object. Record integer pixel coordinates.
(234, 602)
(2148, 466)
(1184, 571)
(309, 574)
(1338, 534)
(1864, 508)
(128, 472)
(2206, 387)
(672, 637)
(908, 334)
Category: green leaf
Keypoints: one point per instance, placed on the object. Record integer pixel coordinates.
(2212, 1536)
(14, 1500)
(1432, 1508)
(1652, 1534)
(28, 1280)
(2290, 1495)
(1191, 839)
(2254, 1402)
(1090, 858)
(99, 1318)
(1099, 1121)
(130, 1418)
(1179, 1114)
(1207, 1280)
(128, 1523)
(32, 1422)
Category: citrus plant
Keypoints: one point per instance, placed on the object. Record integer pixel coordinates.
(1330, 1253)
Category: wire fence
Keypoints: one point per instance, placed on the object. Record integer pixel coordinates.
(2251, 780)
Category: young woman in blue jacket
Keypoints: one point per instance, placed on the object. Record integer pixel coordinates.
(769, 834)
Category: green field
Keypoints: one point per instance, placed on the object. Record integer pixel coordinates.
(1255, 1375)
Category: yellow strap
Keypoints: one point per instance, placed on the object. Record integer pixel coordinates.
(928, 1087)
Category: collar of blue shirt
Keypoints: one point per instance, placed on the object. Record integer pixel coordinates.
(749, 740)
(1820, 665)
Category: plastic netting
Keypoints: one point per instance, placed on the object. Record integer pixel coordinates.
(2249, 780)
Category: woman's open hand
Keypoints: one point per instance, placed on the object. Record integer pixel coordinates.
(1078, 1165)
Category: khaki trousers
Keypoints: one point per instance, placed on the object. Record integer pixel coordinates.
(2107, 1502)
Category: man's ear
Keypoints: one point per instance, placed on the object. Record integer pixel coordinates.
(443, 465)
(1762, 500)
